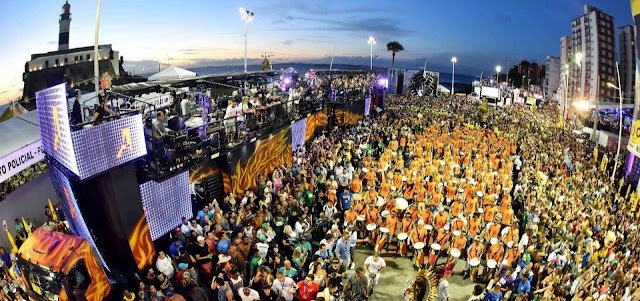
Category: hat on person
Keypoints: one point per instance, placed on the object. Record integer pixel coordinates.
(169, 292)
(223, 258)
(183, 266)
(335, 261)
(200, 238)
(510, 244)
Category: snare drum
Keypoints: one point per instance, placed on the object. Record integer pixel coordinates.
(492, 264)
(455, 253)
(361, 218)
(371, 227)
(419, 256)
(380, 202)
(401, 204)
(474, 262)
(435, 252)
(384, 230)
(365, 170)
(402, 246)
(384, 213)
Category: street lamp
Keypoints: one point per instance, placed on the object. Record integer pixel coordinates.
(498, 69)
(610, 85)
(371, 42)
(246, 16)
(454, 60)
(96, 56)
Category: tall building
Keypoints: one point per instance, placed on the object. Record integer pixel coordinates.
(552, 77)
(593, 46)
(566, 53)
(627, 62)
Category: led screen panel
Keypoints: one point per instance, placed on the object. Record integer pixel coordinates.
(367, 106)
(55, 132)
(165, 203)
(298, 131)
(102, 147)
(70, 208)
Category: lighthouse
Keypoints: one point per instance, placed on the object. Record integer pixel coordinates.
(65, 21)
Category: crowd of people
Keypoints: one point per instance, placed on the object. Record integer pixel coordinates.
(527, 205)
(11, 184)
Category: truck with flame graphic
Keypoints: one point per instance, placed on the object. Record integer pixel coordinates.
(60, 267)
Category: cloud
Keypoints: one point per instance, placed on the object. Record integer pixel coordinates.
(280, 21)
(52, 42)
(287, 42)
(373, 25)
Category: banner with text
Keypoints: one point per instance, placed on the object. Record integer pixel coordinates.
(634, 139)
(19, 160)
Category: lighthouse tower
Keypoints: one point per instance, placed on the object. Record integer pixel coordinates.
(65, 21)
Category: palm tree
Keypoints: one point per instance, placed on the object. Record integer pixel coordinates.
(394, 47)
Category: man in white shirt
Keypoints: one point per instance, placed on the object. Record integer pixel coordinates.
(185, 227)
(284, 286)
(185, 108)
(165, 265)
(263, 248)
(196, 227)
(230, 120)
(373, 265)
(248, 294)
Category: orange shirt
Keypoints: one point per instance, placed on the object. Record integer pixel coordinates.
(408, 191)
(350, 215)
(440, 220)
(494, 230)
(459, 242)
(471, 206)
(431, 187)
(456, 208)
(356, 185)
(489, 213)
(436, 200)
(475, 250)
(422, 194)
(372, 215)
(419, 234)
(457, 225)
(442, 237)
(495, 252)
(392, 224)
(385, 189)
(406, 225)
(507, 217)
(474, 226)
(397, 180)
(512, 255)
(427, 217)
(394, 145)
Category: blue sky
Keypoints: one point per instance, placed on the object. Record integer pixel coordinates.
(481, 34)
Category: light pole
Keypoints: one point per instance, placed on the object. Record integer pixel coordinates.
(578, 57)
(96, 55)
(246, 16)
(498, 69)
(610, 85)
(371, 42)
(454, 60)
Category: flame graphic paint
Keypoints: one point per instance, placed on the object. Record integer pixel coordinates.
(126, 142)
(141, 244)
(269, 153)
(315, 121)
(206, 169)
(69, 202)
(346, 117)
(58, 137)
(52, 249)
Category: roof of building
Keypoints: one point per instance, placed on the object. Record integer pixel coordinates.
(19, 132)
(67, 51)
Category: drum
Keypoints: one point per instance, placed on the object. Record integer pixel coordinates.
(365, 170)
(428, 227)
(371, 227)
(401, 204)
(492, 264)
(474, 262)
(403, 236)
(380, 202)
(419, 256)
(455, 253)
(433, 255)
(404, 178)
(384, 213)
(357, 196)
(361, 218)
(384, 230)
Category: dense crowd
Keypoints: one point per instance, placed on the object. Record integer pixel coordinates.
(526, 204)
(11, 184)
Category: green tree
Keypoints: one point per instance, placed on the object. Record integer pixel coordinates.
(394, 47)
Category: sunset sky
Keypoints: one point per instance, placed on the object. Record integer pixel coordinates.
(194, 33)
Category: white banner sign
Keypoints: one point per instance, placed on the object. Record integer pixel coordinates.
(19, 160)
(635, 149)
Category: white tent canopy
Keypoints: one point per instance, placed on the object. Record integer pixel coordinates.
(172, 73)
(442, 89)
